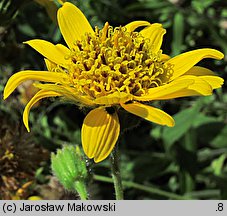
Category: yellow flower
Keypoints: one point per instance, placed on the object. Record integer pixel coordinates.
(112, 68)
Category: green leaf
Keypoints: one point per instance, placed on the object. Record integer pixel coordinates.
(220, 140)
(224, 13)
(200, 6)
(218, 164)
(202, 119)
(27, 30)
(51, 8)
(178, 34)
(148, 5)
(208, 132)
(150, 166)
(220, 181)
(183, 122)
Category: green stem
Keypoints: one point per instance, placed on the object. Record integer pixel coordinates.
(144, 188)
(205, 194)
(116, 174)
(80, 188)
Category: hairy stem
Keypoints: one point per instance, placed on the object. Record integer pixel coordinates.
(116, 174)
(80, 188)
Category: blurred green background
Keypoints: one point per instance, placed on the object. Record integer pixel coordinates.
(189, 160)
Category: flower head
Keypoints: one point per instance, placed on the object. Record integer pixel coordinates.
(111, 68)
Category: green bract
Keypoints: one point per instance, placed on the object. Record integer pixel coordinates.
(70, 168)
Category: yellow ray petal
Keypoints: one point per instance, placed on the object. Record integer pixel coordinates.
(199, 85)
(136, 24)
(114, 98)
(149, 113)
(72, 23)
(214, 81)
(161, 91)
(38, 96)
(16, 79)
(63, 49)
(68, 92)
(207, 75)
(54, 53)
(62, 1)
(154, 33)
(199, 71)
(181, 93)
(185, 61)
(100, 132)
(50, 65)
(164, 57)
(202, 85)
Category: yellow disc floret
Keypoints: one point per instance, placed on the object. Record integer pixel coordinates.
(114, 60)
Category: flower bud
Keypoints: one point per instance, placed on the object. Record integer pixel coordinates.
(70, 168)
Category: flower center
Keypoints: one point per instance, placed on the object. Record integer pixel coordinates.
(115, 60)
